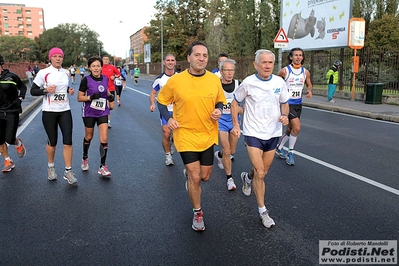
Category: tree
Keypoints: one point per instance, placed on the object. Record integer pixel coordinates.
(77, 42)
(19, 49)
(383, 33)
(242, 36)
(269, 22)
(182, 23)
(392, 7)
(215, 28)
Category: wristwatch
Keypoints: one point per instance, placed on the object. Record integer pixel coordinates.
(45, 91)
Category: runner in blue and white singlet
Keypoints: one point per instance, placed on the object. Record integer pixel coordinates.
(169, 63)
(296, 77)
(295, 81)
(227, 141)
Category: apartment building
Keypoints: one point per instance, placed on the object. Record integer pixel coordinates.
(18, 20)
(137, 40)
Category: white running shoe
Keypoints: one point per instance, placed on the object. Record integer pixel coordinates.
(103, 170)
(230, 184)
(198, 221)
(246, 187)
(219, 160)
(85, 164)
(51, 174)
(109, 124)
(70, 177)
(266, 220)
(169, 160)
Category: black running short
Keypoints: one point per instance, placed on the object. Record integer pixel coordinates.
(90, 122)
(8, 127)
(295, 111)
(204, 157)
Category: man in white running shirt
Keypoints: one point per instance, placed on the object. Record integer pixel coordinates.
(266, 109)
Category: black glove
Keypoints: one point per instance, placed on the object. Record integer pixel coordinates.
(96, 95)
(111, 98)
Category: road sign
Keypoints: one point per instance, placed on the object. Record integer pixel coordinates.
(281, 40)
(281, 37)
(280, 45)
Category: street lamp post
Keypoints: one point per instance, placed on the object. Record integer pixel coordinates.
(162, 43)
(120, 21)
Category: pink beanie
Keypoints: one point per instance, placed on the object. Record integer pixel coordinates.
(54, 51)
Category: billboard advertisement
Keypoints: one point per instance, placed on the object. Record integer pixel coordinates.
(147, 53)
(316, 24)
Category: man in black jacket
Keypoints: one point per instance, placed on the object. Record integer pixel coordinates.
(12, 93)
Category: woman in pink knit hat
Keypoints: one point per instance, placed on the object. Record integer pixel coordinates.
(53, 84)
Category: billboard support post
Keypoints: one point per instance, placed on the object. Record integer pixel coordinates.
(356, 32)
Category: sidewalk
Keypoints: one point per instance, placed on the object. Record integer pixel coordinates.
(384, 112)
(29, 103)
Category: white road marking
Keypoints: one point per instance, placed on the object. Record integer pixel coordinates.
(349, 173)
(22, 127)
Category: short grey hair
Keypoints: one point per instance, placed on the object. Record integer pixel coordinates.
(228, 60)
(263, 51)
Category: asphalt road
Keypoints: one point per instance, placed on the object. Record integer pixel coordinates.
(344, 186)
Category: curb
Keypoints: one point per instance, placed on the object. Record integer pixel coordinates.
(27, 109)
(344, 110)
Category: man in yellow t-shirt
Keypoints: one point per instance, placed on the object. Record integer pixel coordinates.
(198, 99)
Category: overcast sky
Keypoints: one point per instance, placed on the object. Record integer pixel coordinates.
(114, 22)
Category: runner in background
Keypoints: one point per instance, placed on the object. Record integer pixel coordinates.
(136, 71)
(227, 140)
(12, 93)
(111, 72)
(221, 57)
(82, 72)
(167, 141)
(296, 77)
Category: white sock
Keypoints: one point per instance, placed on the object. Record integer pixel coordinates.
(247, 179)
(283, 141)
(50, 164)
(262, 209)
(292, 142)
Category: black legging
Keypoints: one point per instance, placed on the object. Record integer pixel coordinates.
(51, 121)
(119, 90)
